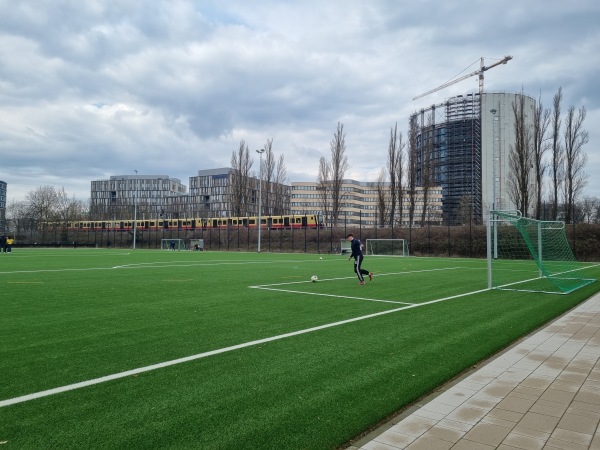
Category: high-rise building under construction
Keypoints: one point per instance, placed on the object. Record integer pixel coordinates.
(464, 145)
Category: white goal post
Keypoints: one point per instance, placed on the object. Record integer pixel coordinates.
(172, 244)
(345, 246)
(386, 247)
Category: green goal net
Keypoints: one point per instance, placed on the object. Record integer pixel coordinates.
(531, 255)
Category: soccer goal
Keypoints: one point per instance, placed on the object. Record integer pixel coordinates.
(172, 244)
(531, 255)
(197, 242)
(345, 246)
(386, 247)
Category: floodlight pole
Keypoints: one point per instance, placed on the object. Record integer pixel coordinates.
(489, 249)
(494, 174)
(260, 153)
(135, 210)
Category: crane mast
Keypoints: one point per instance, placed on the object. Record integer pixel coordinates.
(479, 73)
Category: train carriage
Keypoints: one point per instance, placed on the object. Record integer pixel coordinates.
(266, 222)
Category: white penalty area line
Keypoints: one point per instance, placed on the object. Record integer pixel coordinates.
(287, 283)
(128, 373)
(332, 295)
(271, 287)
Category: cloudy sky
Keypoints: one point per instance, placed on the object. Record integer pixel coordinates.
(90, 89)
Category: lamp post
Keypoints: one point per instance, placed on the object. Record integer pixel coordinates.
(493, 111)
(495, 204)
(260, 153)
(135, 210)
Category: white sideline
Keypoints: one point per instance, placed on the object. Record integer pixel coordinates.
(127, 373)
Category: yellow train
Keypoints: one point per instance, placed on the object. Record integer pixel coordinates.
(270, 222)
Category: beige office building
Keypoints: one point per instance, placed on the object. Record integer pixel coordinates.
(360, 205)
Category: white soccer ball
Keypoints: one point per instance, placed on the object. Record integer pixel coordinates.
(314, 278)
(320, 257)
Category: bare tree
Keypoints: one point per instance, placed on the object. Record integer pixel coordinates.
(69, 209)
(575, 159)
(268, 171)
(241, 164)
(412, 168)
(338, 166)
(281, 203)
(396, 174)
(384, 207)
(43, 204)
(556, 164)
(520, 159)
(464, 209)
(541, 121)
(400, 176)
(427, 168)
(18, 214)
(324, 188)
(590, 207)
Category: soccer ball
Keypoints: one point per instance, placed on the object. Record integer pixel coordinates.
(314, 278)
(320, 257)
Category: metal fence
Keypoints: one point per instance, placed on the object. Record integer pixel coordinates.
(432, 240)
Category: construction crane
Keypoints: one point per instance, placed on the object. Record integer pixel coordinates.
(477, 72)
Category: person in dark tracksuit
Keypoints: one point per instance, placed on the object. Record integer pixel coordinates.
(357, 254)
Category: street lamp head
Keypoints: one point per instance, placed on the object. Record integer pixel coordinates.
(493, 111)
(260, 151)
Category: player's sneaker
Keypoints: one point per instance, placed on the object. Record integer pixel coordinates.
(370, 276)
(361, 283)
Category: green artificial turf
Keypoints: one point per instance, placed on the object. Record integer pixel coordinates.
(75, 315)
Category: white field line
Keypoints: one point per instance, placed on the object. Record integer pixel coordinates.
(269, 287)
(155, 265)
(332, 295)
(554, 275)
(54, 270)
(264, 286)
(116, 376)
(163, 264)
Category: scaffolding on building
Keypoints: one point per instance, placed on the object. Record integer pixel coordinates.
(449, 147)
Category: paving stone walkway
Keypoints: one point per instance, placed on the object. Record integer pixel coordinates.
(543, 393)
